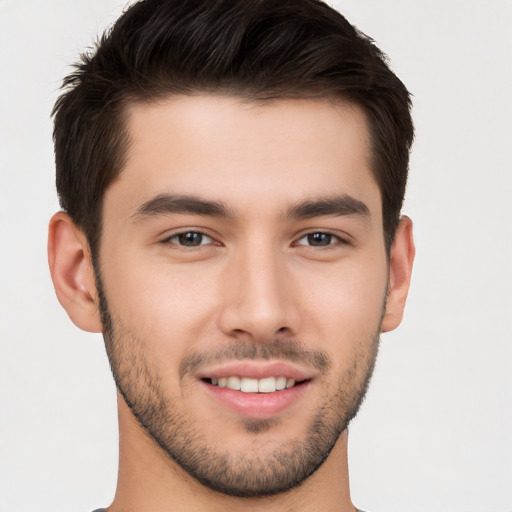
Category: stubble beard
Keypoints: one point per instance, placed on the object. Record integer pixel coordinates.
(246, 474)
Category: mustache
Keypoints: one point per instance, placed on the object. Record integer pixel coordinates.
(278, 348)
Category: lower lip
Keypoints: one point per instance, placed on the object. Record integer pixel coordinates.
(257, 405)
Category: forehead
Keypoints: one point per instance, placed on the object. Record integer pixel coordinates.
(245, 154)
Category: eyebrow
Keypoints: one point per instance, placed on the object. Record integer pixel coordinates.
(165, 204)
(337, 205)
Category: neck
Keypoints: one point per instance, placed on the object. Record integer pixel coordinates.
(149, 480)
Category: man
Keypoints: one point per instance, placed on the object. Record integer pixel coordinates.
(232, 175)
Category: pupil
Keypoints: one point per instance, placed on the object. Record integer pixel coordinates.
(190, 239)
(319, 239)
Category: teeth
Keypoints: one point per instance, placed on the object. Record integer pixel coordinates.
(267, 385)
(248, 385)
(280, 383)
(290, 383)
(234, 383)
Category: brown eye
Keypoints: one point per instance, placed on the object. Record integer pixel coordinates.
(190, 239)
(318, 239)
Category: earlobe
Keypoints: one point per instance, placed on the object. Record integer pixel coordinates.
(72, 272)
(400, 269)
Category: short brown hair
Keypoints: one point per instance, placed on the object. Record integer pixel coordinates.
(257, 49)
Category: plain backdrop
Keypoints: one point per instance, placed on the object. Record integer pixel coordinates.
(435, 433)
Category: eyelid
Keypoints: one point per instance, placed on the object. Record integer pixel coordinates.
(182, 231)
(340, 236)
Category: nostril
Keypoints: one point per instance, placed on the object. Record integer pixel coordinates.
(284, 332)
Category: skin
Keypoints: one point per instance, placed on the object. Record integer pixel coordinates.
(254, 279)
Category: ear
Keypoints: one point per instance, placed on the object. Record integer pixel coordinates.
(400, 268)
(72, 273)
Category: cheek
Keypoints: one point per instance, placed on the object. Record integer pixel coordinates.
(345, 304)
(159, 301)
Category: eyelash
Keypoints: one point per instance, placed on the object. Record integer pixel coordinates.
(169, 240)
(333, 240)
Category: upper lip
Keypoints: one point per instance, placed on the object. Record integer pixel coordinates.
(256, 370)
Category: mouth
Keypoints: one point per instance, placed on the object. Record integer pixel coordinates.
(252, 385)
(257, 389)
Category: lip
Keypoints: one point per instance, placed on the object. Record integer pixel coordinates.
(257, 405)
(256, 370)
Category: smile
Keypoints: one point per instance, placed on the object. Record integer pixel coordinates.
(257, 388)
(251, 385)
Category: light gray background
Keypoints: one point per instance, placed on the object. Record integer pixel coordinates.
(435, 433)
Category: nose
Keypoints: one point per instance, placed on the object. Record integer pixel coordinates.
(258, 302)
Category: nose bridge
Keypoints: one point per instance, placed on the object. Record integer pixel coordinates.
(257, 299)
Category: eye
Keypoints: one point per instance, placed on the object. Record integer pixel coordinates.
(319, 239)
(190, 239)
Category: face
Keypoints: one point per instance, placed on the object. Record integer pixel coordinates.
(243, 281)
